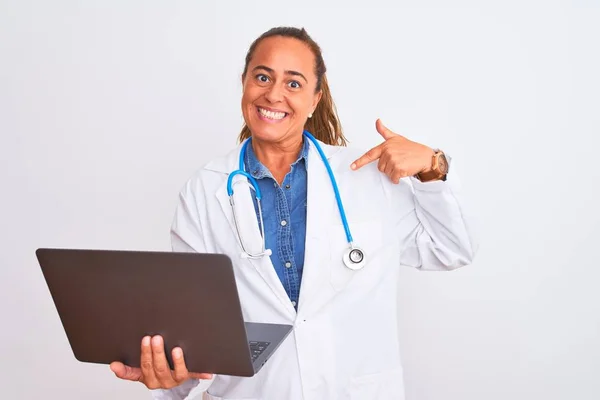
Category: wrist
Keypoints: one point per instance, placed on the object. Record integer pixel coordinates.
(429, 163)
(437, 168)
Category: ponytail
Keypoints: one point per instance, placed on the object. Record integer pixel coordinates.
(325, 124)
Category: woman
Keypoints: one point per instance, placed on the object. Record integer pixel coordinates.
(345, 341)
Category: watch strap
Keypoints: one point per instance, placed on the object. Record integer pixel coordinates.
(436, 172)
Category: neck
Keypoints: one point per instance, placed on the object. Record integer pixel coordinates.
(278, 157)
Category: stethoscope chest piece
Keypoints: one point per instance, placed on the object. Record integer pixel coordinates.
(354, 258)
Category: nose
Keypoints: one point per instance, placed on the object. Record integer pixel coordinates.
(274, 94)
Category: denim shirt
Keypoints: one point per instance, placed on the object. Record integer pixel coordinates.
(284, 215)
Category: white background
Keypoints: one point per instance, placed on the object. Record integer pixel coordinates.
(107, 108)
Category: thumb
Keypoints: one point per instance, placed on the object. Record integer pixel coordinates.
(126, 372)
(383, 130)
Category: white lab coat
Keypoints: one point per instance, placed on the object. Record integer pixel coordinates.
(344, 345)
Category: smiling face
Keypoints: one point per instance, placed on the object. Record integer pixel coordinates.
(279, 89)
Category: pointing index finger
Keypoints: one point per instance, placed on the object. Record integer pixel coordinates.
(366, 158)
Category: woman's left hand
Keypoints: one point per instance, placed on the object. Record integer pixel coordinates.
(398, 157)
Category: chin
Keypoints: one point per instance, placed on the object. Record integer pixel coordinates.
(268, 132)
(269, 129)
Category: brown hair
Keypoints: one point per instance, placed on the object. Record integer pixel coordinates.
(324, 124)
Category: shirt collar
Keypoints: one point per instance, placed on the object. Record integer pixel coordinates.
(259, 171)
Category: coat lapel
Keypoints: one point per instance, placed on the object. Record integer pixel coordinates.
(248, 226)
(315, 289)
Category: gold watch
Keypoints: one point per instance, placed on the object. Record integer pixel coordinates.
(439, 168)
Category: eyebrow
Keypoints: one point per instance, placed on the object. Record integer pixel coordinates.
(270, 70)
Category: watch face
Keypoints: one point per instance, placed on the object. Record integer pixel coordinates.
(443, 164)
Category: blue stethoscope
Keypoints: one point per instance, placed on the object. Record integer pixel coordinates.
(354, 257)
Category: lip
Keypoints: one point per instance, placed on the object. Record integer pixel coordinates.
(268, 120)
(273, 109)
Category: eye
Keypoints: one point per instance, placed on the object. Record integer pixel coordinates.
(262, 78)
(295, 85)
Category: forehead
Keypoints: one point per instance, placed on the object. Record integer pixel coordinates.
(284, 54)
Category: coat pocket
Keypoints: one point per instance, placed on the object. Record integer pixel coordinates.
(386, 385)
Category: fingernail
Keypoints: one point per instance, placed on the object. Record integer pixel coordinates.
(156, 340)
(353, 166)
(177, 353)
(146, 341)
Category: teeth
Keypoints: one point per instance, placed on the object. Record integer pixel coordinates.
(271, 114)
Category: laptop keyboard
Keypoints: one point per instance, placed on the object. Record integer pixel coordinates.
(257, 348)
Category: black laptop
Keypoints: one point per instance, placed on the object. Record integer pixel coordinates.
(108, 300)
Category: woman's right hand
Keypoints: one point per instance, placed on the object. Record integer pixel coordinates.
(155, 372)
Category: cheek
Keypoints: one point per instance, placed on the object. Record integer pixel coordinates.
(250, 94)
(246, 97)
(301, 106)
(245, 103)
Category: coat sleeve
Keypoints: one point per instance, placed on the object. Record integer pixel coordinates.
(186, 236)
(437, 230)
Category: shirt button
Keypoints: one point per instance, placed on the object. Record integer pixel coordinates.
(294, 303)
(287, 186)
(288, 264)
(283, 222)
(274, 184)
